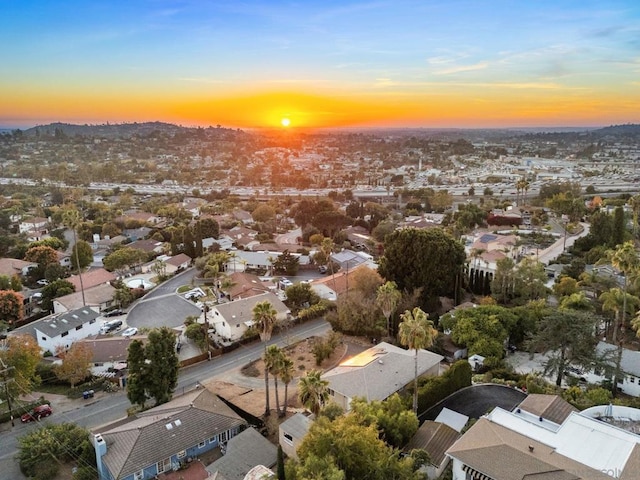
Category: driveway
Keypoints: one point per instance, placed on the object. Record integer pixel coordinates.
(476, 400)
(163, 307)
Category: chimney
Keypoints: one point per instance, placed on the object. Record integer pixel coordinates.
(100, 447)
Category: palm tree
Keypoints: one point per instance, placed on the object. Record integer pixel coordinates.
(635, 208)
(624, 258)
(273, 358)
(416, 332)
(286, 375)
(264, 315)
(312, 391)
(616, 300)
(387, 299)
(71, 218)
(326, 247)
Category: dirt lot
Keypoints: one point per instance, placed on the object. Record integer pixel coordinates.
(245, 389)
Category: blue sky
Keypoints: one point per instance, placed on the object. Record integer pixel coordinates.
(158, 57)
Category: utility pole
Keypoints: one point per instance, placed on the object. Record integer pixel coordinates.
(6, 381)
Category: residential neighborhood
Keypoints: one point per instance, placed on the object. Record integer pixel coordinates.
(349, 304)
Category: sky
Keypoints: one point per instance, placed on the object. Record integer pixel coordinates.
(329, 63)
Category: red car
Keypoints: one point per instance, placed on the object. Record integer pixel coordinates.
(37, 413)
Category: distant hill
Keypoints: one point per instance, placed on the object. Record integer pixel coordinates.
(108, 129)
(617, 130)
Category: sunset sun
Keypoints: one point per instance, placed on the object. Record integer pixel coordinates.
(285, 122)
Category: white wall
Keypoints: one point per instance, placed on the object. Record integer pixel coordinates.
(51, 343)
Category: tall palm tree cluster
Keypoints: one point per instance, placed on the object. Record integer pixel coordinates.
(312, 389)
(280, 366)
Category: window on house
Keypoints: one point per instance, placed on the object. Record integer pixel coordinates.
(632, 379)
(139, 475)
(288, 438)
(202, 444)
(64, 334)
(182, 454)
(79, 327)
(213, 439)
(164, 465)
(223, 437)
(331, 392)
(44, 339)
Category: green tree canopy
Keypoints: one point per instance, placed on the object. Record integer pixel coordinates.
(483, 329)
(124, 258)
(82, 254)
(42, 451)
(567, 336)
(428, 260)
(344, 448)
(153, 369)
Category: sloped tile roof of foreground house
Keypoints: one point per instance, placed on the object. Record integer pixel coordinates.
(244, 452)
(520, 445)
(161, 432)
(380, 371)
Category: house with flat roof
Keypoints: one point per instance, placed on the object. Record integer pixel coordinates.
(165, 437)
(521, 444)
(231, 320)
(377, 373)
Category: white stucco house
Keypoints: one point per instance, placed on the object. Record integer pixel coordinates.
(231, 320)
(63, 329)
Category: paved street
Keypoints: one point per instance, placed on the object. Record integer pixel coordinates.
(477, 400)
(112, 407)
(162, 306)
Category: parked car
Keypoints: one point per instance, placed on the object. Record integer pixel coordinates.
(130, 332)
(36, 414)
(111, 326)
(43, 282)
(113, 313)
(322, 269)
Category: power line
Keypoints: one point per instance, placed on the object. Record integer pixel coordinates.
(5, 382)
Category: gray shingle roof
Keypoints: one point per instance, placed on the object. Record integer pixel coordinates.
(434, 438)
(390, 369)
(163, 431)
(54, 325)
(244, 451)
(296, 426)
(243, 308)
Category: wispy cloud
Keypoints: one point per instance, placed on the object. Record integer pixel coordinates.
(462, 68)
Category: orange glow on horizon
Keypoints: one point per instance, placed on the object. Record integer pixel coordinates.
(443, 107)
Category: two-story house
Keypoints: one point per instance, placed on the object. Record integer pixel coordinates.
(63, 329)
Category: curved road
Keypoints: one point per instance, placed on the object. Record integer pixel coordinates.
(113, 407)
(476, 400)
(162, 307)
